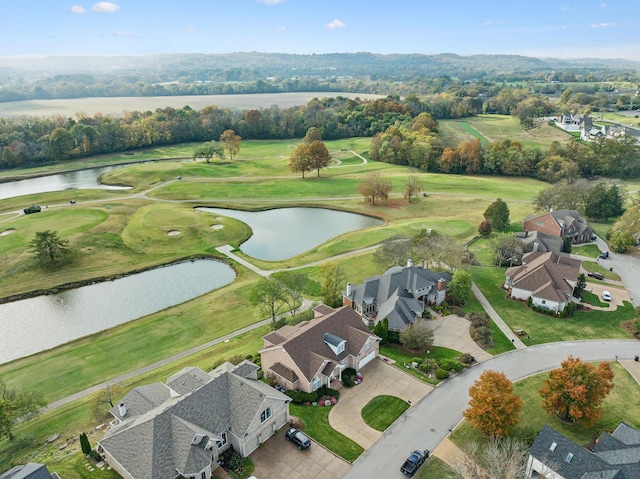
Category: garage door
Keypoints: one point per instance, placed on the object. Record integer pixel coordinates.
(367, 359)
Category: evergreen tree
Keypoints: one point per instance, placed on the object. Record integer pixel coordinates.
(498, 215)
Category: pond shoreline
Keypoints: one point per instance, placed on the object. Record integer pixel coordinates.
(101, 279)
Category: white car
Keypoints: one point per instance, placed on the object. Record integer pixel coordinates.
(606, 295)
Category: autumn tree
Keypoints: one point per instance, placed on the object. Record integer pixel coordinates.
(313, 134)
(15, 404)
(626, 231)
(504, 458)
(299, 161)
(485, 228)
(417, 336)
(498, 214)
(493, 408)
(269, 296)
(332, 279)
(208, 150)
(576, 390)
(231, 142)
(412, 186)
(375, 187)
(319, 156)
(49, 248)
(508, 250)
(393, 252)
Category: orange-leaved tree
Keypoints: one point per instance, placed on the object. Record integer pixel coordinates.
(575, 391)
(230, 141)
(493, 408)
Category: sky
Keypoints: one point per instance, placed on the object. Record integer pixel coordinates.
(542, 28)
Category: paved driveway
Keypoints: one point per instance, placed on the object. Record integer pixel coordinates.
(452, 332)
(380, 378)
(279, 459)
(618, 295)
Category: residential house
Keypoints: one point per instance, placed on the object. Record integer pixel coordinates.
(560, 223)
(534, 241)
(179, 429)
(547, 278)
(570, 122)
(614, 456)
(31, 470)
(399, 295)
(314, 353)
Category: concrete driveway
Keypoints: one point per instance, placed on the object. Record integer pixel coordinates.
(452, 332)
(618, 295)
(380, 378)
(280, 459)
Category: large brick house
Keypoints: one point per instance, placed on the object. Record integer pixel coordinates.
(179, 429)
(560, 223)
(400, 295)
(314, 353)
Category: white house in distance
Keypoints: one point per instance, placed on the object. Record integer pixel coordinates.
(547, 278)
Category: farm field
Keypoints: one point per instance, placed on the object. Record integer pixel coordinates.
(120, 105)
(497, 128)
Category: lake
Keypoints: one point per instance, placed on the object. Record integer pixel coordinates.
(286, 232)
(37, 324)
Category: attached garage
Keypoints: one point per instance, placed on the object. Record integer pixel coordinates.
(367, 359)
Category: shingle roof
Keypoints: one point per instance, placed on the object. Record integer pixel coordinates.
(547, 275)
(31, 470)
(307, 348)
(143, 399)
(545, 242)
(157, 442)
(287, 373)
(187, 380)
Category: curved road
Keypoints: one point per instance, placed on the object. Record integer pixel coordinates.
(427, 423)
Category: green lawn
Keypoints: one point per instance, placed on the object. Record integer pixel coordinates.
(590, 250)
(435, 468)
(382, 411)
(622, 404)
(543, 328)
(592, 266)
(403, 358)
(473, 132)
(316, 425)
(593, 300)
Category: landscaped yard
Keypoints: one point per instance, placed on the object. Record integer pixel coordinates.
(404, 358)
(316, 426)
(382, 411)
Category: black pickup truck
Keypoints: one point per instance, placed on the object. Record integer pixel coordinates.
(414, 462)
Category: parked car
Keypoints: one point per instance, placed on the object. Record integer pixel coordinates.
(32, 209)
(299, 438)
(414, 462)
(73, 202)
(596, 275)
(603, 255)
(606, 295)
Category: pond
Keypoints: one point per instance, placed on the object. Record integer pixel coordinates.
(88, 179)
(286, 232)
(37, 324)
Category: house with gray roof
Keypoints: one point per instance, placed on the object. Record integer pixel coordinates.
(399, 294)
(31, 470)
(614, 456)
(547, 278)
(314, 353)
(179, 429)
(533, 241)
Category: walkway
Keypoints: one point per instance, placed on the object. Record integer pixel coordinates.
(493, 314)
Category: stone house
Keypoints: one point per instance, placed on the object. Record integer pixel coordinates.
(547, 278)
(179, 429)
(560, 223)
(614, 456)
(314, 353)
(399, 295)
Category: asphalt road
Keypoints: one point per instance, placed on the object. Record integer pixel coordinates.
(427, 423)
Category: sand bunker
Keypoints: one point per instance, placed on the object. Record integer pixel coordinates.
(11, 230)
(173, 233)
(217, 227)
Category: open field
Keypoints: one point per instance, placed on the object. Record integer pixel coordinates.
(119, 105)
(497, 128)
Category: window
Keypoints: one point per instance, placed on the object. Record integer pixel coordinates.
(553, 446)
(340, 347)
(540, 223)
(203, 475)
(266, 414)
(223, 440)
(343, 361)
(544, 301)
(316, 383)
(569, 457)
(367, 345)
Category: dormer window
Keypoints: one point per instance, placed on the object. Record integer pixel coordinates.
(569, 457)
(336, 343)
(553, 446)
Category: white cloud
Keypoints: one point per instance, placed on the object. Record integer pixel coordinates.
(602, 25)
(565, 27)
(125, 35)
(77, 9)
(487, 24)
(603, 5)
(190, 30)
(105, 7)
(335, 24)
(271, 2)
(281, 29)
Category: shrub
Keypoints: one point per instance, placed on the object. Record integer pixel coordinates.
(296, 422)
(95, 455)
(302, 397)
(466, 358)
(325, 391)
(441, 374)
(349, 376)
(394, 337)
(478, 319)
(416, 360)
(428, 365)
(236, 462)
(450, 365)
(84, 444)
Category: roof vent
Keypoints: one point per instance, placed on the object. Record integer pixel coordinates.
(553, 446)
(197, 439)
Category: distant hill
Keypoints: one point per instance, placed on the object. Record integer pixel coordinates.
(217, 67)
